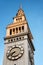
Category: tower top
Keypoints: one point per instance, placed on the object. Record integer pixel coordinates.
(20, 12)
(20, 16)
(18, 21)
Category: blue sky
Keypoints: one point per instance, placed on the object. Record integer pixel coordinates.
(33, 10)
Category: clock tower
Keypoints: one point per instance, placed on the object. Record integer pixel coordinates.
(19, 49)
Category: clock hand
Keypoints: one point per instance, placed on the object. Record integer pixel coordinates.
(10, 54)
(13, 52)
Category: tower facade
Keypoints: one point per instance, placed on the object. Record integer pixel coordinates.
(19, 49)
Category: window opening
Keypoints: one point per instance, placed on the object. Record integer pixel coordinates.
(19, 29)
(16, 30)
(14, 39)
(11, 40)
(10, 31)
(22, 28)
(14, 64)
(17, 38)
(13, 30)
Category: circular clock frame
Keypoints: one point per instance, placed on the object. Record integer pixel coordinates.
(15, 52)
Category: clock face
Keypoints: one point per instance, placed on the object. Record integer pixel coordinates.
(15, 52)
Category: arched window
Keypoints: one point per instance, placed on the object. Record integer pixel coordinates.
(19, 29)
(23, 28)
(16, 30)
(10, 31)
(13, 30)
